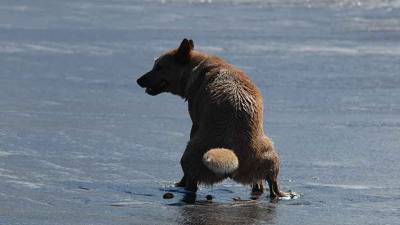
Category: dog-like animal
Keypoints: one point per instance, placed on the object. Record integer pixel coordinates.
(227, 137)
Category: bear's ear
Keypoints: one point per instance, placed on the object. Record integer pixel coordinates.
(191, 43)
(183, 53)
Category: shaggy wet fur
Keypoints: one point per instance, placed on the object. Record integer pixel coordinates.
(226, 109)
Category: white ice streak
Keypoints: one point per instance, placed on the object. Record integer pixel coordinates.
(345, 186)
(4, 153)
(210, 49)
(369, 4)
(15, 8)
(7, 174)
(86, 6)
(318, 49)
(26, 184)
(55, 48)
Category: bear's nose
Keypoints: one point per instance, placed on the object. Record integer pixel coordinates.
(140, 81)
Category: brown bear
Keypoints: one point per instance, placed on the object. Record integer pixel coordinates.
(227, 137)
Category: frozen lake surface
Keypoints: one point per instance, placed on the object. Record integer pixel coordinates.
(81, 143)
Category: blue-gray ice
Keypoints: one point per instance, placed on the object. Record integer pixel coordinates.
(81, 143)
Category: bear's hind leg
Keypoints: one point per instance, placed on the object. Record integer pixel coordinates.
(257, 188)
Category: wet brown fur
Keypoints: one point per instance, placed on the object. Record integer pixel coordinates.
(226, 109)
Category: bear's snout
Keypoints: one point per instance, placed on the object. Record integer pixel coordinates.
(142, 81)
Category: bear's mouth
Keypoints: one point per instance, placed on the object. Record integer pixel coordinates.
(158, 88)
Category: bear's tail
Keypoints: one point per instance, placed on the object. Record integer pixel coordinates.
(221, 161)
